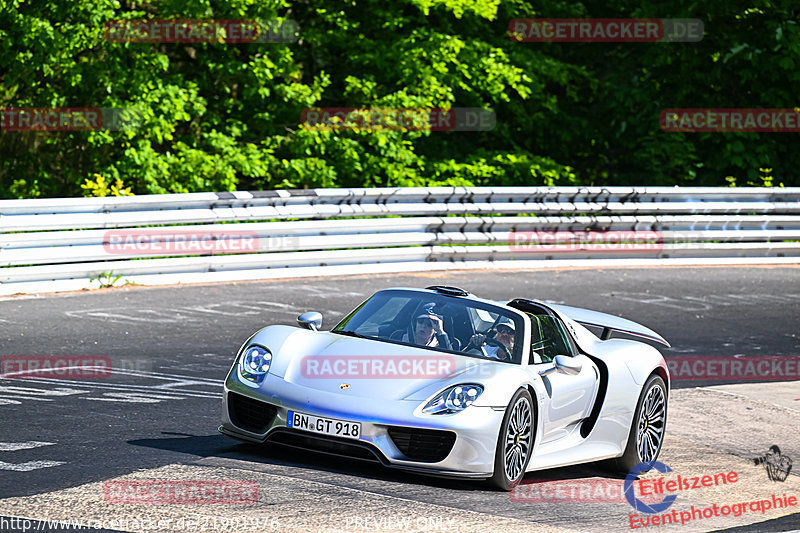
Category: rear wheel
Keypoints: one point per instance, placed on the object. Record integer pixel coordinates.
(647, 429)
(514, 444)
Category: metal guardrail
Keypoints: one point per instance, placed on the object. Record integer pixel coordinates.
(62, 244)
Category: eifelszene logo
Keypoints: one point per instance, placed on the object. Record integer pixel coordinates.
(636, 503)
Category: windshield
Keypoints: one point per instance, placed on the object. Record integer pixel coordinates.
(438, 322)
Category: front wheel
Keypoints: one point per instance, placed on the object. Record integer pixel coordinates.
(514, 444)
(647, 429)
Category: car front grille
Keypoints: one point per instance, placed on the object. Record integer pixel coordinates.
(319, 443)
(423, 445)
(249, 414)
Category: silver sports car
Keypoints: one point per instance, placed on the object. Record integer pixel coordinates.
(441, 382)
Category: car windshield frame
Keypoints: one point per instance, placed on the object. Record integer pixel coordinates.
(464, 311)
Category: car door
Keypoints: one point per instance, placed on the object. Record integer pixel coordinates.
(569, 397)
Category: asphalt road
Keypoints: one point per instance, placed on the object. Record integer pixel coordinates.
(177, 344)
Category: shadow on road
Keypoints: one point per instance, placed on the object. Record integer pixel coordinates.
(280, 455)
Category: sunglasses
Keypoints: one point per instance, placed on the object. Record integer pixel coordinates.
(505, 329)
(425, 321)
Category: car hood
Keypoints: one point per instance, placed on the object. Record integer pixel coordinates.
(367, 368)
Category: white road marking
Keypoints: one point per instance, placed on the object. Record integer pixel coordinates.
(163, 375)
(14, 446)
(30, 465)
(153, 316)
(194, 313)
(11, 399)
(167, 387)
(326, 292)
(163, 387)
(181, 315)
(28, 393)
(695, 303)
(133, 397)
(250, 308)
(145, 389)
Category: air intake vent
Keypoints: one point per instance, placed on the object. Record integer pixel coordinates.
(424, 445)
(331, 445)
(249, 414)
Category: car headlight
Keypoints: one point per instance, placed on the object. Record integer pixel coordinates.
(254, 364)
(454, 399)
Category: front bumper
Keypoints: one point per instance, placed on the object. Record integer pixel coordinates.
(472, 454)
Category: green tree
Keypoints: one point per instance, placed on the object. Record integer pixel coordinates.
(222, 116)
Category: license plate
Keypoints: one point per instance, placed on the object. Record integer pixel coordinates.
(325, 426)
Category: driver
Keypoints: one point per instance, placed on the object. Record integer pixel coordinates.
(505, 335)
(428, 329)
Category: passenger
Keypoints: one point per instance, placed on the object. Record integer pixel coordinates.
(505, 335)
(428, 329)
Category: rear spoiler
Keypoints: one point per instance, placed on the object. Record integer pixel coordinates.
(609, 323)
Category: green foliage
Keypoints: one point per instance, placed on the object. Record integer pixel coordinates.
(221, 117)
(99, 187)
(106, 280)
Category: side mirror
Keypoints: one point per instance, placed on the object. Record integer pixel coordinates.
(565, 365)
(311, 320)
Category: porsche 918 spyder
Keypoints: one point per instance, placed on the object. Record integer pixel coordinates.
(439, 381)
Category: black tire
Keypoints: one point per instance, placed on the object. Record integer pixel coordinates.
(633, 451)
(522, 425)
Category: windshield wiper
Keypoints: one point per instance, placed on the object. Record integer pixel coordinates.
(350, 334)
